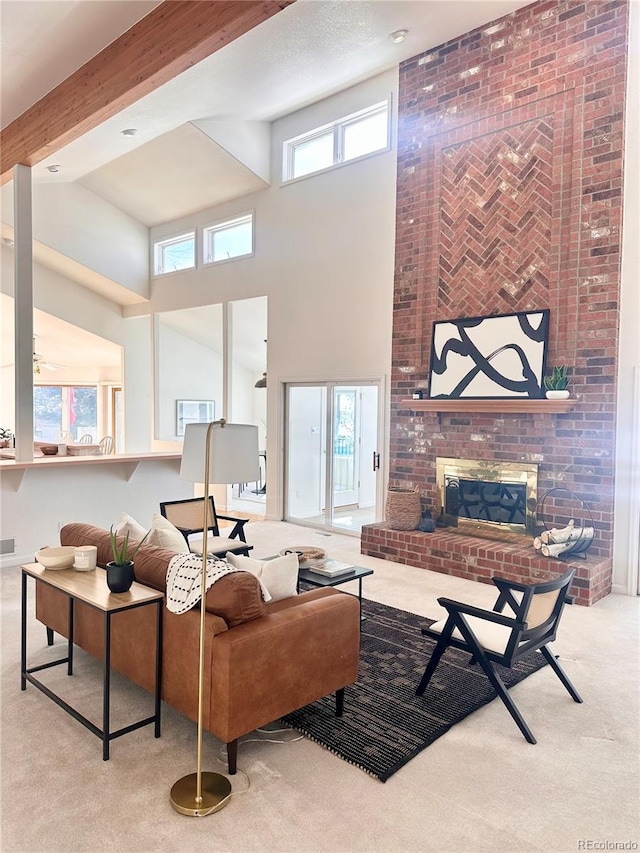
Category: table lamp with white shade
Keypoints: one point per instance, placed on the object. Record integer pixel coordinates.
(218, 452)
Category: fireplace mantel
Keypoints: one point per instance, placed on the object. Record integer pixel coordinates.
(518, 404)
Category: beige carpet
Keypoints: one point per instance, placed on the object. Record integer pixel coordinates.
(481, 787)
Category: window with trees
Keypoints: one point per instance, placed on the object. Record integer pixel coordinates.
(175, 253)
(65, 412)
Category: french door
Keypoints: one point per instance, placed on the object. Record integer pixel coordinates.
(331, 454)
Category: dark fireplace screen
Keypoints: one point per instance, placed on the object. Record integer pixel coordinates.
(481, 500)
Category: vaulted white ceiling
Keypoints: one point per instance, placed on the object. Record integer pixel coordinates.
(188, 153)
(310, 50)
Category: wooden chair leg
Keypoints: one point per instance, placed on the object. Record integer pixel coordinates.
(232, 756)
(562, 675)
(49, 636)
(441, 645)
(339, 702)
(503, 693)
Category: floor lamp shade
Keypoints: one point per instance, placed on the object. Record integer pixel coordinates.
(233, 453)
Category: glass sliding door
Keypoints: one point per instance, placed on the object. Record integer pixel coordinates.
(332, 454)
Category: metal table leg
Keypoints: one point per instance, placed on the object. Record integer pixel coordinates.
(107, 686)
(158, 667)
(23, 633)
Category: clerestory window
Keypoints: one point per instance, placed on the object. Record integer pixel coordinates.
(175, 253)
(232, 238)
(342, 141)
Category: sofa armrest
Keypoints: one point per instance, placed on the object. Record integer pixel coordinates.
(264, 669)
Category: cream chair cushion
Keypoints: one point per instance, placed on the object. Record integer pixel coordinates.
(490, 635)
(215, 544)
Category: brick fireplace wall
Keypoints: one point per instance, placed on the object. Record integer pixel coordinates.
(510, 161)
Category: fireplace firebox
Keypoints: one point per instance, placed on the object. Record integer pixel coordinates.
(487, 498)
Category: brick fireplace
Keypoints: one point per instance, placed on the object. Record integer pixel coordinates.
(510, 159)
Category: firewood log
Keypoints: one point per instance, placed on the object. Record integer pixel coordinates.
(555, 550)
(550, 536)
(571, 535)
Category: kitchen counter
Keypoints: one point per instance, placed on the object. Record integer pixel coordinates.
(15, 471)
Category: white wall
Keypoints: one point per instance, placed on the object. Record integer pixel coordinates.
(324, 253)
(248, 404)
(186, 371)
(138, 386)
(79, 224)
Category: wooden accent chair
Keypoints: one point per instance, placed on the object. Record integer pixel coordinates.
(187, 515)
(492, 637)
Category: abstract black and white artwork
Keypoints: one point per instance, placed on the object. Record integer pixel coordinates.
(490, 357)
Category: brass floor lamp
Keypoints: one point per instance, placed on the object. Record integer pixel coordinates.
(217, 452)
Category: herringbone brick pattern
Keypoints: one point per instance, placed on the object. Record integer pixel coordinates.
(495, 219)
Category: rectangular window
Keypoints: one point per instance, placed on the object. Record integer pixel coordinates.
(232, 238)
(65, 412)
(346, 139)
(175, 253)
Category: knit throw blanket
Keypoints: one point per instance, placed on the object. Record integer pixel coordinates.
(184, 580)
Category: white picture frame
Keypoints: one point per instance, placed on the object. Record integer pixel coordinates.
(492, 358)
(194, 412)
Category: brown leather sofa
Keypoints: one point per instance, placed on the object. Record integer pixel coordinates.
(261, 660)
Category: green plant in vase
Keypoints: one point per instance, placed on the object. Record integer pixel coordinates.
(5, 437)
(556, 384)
(120, 570)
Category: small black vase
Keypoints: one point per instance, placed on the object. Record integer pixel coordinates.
(120, 576)
(427, 524)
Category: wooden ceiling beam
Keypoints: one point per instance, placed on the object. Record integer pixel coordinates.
(174, 36)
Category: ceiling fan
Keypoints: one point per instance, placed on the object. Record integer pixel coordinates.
(39, 362)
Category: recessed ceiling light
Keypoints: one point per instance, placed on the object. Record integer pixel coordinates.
(130, 131)
(398, 36)
(54, 168)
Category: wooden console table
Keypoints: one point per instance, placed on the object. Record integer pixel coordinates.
(91, 588)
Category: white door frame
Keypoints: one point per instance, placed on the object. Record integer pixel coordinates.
(329, 384)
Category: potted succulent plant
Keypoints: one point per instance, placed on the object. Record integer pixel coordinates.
(556, 384)
(5, 437)
(120, 570)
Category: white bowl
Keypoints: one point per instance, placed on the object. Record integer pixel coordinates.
(307, 554)
(57, 558)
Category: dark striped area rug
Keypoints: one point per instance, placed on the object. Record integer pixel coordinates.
(384, 723)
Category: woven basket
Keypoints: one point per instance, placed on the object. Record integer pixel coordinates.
(402, 509)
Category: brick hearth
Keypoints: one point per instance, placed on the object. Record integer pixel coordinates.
(464, 556)
(509, 198)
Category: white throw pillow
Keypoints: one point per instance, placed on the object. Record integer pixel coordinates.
(125, 524)
(163, 534)
(280, 576)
